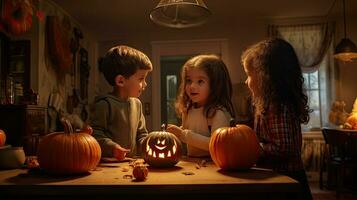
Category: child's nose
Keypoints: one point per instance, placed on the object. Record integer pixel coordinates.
(193, 86)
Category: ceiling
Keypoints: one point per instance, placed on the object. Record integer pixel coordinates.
(105, 18)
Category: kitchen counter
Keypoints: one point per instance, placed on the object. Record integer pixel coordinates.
(187, 180)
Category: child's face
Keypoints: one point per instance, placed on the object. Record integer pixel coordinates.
(197, 86)
(251, 81)
(135, 84)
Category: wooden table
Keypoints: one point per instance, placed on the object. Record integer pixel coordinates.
(108, 181)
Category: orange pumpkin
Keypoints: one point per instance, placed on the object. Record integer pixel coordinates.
(2, 138)
(68, 152)
(234, 148)
(352, 121)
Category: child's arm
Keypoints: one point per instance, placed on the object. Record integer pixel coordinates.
(119, 152)
(142, 132)
(221, 119)
(100, 129)
(188, 136)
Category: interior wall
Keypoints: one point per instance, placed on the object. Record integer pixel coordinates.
(238, 39)
(239, 34)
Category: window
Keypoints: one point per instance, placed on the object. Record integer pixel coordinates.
(318, 89)
(313, 92)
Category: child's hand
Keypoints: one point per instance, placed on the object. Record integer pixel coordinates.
(120, 152)
(174, 129)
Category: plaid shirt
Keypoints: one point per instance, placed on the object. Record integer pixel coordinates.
(280, 137)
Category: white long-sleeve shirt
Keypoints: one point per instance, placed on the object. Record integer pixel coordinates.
(196, 133)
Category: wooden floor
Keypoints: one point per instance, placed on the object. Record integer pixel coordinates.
(325, 194)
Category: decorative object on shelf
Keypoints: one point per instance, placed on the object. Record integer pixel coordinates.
(68, 152)
(180, 13)
(16, 18)
(338, 115)
(346, 50)
(235, 147)
(351, 121)
(161, 148)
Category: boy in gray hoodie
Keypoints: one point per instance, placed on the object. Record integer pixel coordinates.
(118, 121)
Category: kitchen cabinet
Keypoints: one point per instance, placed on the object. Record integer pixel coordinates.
(24, 125)
(4, 46)
(19, 67)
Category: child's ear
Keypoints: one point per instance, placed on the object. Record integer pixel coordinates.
(119, 80)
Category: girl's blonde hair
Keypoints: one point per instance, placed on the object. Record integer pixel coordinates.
(219, 82)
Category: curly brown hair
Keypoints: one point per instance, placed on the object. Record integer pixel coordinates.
(219, 82)
(280, 79)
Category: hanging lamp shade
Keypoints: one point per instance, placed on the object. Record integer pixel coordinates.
(346, 50)
(180, 13)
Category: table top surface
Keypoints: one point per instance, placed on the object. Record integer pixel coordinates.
(186, 173)
(342, 130)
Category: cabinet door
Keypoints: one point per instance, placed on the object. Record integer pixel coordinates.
(4, 47)
(19, 66)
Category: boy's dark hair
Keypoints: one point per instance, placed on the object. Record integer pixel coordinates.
(123, 60)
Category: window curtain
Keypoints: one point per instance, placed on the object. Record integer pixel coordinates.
(326, 84)
(310, 41)
(313, 44)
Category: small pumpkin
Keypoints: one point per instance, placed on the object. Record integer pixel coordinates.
(161, 149)
(87, 129)
(68, 152)
(140, 172)
(352, 121)
(2, 138)
(234, 148)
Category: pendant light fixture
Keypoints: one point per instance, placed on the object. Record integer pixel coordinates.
(346, 50)
(180, 13)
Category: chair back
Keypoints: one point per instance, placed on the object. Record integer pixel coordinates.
(341, 144)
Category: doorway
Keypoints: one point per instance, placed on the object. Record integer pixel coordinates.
(170, 81)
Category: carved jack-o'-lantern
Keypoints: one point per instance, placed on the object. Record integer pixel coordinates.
(161, 149)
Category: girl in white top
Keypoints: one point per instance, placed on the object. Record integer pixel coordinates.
(203, 102)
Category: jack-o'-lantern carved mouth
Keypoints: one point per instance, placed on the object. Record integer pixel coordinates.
(160, 150)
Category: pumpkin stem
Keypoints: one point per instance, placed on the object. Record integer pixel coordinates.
(67, 125)
(232, 122)
(163, 127)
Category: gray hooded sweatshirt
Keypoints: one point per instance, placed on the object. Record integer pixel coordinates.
(118, 121)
